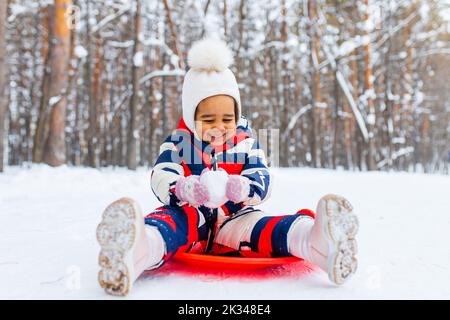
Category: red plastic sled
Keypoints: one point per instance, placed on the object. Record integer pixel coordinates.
(236, 263)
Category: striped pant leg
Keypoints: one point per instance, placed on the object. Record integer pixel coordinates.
(259, 233)
(180, 227)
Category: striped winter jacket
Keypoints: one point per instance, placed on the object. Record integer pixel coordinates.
(182, 154)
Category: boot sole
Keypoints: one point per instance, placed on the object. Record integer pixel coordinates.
(117, 234)
(341, 227)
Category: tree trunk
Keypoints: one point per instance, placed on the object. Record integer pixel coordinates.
(42, 121)
(42, 125)
(3, 70)
(54, 152)
(285, 144)
(316, 98)
(336, 120)
(95, 104)
(133, 125)
(205, 11)
(91, 134)
(242, 16)
(173, 35)
(225, 21)
(407, 114)
(353, 131)
(32, 90)
(389, 115)
(49, 144)
(368, 85)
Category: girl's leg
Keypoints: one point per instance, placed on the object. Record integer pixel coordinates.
(328, 240)
(179, 227)
(131, 244)
(260, 233)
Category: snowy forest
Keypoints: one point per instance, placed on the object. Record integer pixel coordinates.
(359, 85)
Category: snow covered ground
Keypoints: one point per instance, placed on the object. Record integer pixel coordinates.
(48, 249)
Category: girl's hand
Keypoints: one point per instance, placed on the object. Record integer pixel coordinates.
(190, 190)
(237, 188)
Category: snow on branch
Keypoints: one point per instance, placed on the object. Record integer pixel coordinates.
(395, 155)
(358, 116)
(173, 57)
(394, 30)
(294, 119)
(433, 51)
(109, 18)
(350, 45)
(54, 100)
(161, 73)
(429, 35)
(17, 9)
(121, 44)
(151, 41)
(123, 97)
(345, 86)
(157, 73)
(263, 47)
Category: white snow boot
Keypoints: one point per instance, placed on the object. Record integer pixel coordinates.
(126, 247)
(330, 241)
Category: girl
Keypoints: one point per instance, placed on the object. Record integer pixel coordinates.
(209, 174)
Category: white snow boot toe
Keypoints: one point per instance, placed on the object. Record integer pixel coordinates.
(124, 248)
(332, 240)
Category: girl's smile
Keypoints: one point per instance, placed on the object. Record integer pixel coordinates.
(215, 119)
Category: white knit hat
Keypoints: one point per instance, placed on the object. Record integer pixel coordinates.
(208, 76)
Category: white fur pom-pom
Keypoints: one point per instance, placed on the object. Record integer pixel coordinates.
(210, 55)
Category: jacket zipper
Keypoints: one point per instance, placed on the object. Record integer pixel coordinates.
(211, 233)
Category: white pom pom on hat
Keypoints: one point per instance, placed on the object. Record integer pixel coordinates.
(209, 75)
(210, 55)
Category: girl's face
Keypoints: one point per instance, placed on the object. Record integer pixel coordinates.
(215, 119)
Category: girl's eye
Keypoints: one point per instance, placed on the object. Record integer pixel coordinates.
(208, 121)
(227, 120)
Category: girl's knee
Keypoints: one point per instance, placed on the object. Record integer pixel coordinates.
(179, 226)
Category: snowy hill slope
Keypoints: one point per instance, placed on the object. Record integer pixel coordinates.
(48, 249)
